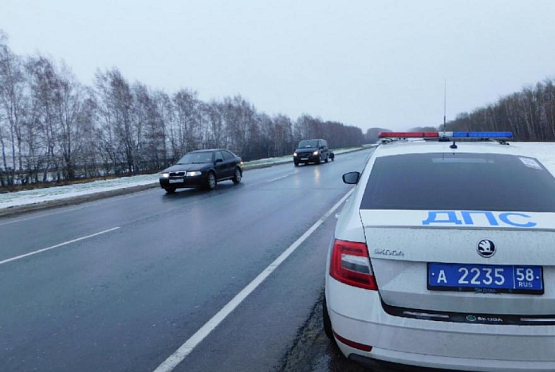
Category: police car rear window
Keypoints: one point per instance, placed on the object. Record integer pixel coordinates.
(485, 182)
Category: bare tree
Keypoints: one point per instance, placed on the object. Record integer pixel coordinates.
(188, 114)
(115, 102)
(12, 101)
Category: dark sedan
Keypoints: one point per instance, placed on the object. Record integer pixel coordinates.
(202, 168)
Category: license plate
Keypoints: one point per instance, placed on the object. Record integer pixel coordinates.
(485, 278)
(304, 158)
(178, 180)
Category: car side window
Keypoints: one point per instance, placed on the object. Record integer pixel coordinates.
(218, 156)
(227, 155)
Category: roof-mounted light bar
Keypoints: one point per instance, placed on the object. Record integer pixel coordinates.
(450, 135)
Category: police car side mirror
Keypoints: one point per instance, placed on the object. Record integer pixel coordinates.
(351, 178)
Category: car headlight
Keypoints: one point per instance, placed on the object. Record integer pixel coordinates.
(315, 152)
(294, 154)
(165, 175)
(193, 174)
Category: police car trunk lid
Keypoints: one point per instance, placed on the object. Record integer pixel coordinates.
(402, 243)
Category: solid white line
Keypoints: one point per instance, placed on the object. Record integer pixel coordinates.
(177, 357)
(56, 246)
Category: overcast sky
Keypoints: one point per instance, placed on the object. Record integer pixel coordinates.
(367, 63)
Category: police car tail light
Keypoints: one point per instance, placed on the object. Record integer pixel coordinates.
(350, 264)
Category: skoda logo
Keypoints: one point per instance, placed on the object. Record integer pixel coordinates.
(486, 248)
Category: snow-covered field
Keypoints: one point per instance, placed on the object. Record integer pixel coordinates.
(27, 197)
(12, 199)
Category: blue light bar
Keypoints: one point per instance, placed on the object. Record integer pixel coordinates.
(460, 134)
(491, 135)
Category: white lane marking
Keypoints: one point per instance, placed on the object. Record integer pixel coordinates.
(280, 177)
(177, 357)
(56, 246)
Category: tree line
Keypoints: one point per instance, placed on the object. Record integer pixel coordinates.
(54, 128)
(529, 114)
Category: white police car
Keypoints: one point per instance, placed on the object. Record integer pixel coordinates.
(444, 257)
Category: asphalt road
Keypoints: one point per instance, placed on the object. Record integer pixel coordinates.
(122, 283)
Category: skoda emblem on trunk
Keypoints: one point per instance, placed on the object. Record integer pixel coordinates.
(486, 248)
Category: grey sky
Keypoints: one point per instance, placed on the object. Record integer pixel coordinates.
(367, 63)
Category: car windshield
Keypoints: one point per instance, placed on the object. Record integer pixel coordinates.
(196, 158)
(308, 144)
(487, 182)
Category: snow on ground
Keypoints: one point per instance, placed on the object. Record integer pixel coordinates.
(12, 199)
(27, 197)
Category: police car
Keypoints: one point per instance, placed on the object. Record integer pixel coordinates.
(444, 256)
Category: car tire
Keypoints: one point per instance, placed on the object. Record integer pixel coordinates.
(170, 190)
(327, 322)
(319, 160)
(327, 159)
(211, 181)
(237, 176)
(296, 164)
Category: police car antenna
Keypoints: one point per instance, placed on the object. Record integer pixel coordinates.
(443, 138)
(454, 144)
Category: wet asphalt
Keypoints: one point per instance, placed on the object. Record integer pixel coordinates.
(126, 299)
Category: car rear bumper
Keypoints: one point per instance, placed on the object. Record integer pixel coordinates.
(187, 182)
(391, 361)
(357, 315)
